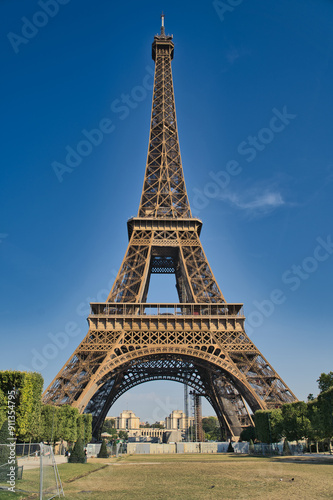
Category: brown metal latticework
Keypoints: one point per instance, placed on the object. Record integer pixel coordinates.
(201, 340)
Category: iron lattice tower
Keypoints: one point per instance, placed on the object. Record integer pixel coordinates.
(199, 341)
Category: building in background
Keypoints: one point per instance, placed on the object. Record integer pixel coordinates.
(127, 421)
(177, 421)
(175, 427)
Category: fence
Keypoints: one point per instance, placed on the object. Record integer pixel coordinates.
(154, 448)
(17, 459)
(116, 449)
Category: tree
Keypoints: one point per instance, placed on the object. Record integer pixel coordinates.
(84, 427)
(158, 425)
(7, 456)
(211, 428)
(3, 407)
(109, 423)
(276, 423)
(296, 423)
(78, 456)
(49, 423)
(268, 425)
(325, 407)
(248, 434)
(325, 381)
(103, 452)
(316, 431)
(286, 448)
(146, 425)
(64, 423)
(67, 425)
(30, 403)
(114, 435)
(27, 387)
(123, 435)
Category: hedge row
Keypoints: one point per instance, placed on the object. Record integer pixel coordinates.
(35, 421)
(312, 420)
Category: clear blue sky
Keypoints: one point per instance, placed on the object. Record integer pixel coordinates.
(235, 74)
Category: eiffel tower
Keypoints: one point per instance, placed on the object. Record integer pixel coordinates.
(200, 341)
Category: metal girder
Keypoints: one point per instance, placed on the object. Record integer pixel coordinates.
(164, 192)
(182, 249)
(197, 375)
(201, 340)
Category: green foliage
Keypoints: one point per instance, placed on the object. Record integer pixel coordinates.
(325, 381)
(67, 423)
(103, 452)
(251, 446)
(325, 409)
(296, 423)
(315, 432)
(268, 425)
(286, 448)
(49, 423)
(3, 407)
(262, 425)
(28, 387)
(157, 425)
(6, 459)
(113, 433)
(276, 424)
(248, 434)
(211, 428)
(78, 455)
(108, 425)
(29, 409)
(123, 435)
(87, 427)
(64, 423)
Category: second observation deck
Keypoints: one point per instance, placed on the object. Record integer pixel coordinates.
(177, 309)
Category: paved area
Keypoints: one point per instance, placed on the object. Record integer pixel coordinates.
(33, 462)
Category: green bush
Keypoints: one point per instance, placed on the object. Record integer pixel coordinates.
(28, 389)
(248, 434)
(6, 459)
(286, 448)
(78, 456)
(103, 452)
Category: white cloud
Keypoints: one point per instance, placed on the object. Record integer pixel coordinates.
(255, 203)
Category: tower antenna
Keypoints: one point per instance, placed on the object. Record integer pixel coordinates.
(162, 24)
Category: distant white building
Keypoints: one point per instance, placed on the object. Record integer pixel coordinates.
(127, 420)
(177, 421)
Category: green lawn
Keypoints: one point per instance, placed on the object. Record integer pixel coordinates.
(191, 477)
(30, 481)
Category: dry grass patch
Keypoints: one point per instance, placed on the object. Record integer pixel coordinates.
(204, 477)
(193, 477)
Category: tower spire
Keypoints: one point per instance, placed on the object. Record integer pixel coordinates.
(164, 193)
(162, 24)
